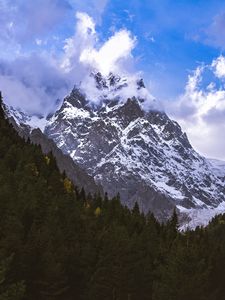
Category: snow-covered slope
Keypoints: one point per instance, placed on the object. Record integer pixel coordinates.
(199, 216)
(129, 146)
(21, 118)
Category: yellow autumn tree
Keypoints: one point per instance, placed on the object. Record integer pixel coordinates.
(68, 186)
(98, 212)
(47, 159)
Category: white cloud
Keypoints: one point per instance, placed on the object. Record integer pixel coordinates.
(219, 66)
(113, 52)
(85, 24)
(84, 38)
(201, 110)
(33, 91)
(23, 21)
(21, 96)
(39, 42)
(84, 49)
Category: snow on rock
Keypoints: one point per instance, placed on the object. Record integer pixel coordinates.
(21, 118)
(135, 151)
(200, 216)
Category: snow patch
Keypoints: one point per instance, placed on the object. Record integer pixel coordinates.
(72, 112)
(201, 216)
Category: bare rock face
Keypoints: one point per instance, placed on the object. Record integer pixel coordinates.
(137, 152)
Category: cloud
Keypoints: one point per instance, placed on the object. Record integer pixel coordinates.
(110, 57)
(84, 48)
(84, 38)
(50, 75)
(29, 79)
(215, 34)
(201, 109)
(32, 84)
(23, 21)
(219, 66)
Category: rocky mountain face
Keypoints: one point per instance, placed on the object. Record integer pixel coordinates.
(131, 147)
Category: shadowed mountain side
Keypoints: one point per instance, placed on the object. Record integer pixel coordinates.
(65, 163)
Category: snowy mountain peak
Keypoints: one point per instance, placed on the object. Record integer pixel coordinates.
(98, 90)
(142, 154)
(110, 82)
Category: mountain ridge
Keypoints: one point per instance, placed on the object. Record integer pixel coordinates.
(131, 147)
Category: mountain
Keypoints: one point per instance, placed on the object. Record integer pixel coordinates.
(130, 146)
(115, 131)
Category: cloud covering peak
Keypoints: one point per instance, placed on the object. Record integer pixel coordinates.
(41, 78)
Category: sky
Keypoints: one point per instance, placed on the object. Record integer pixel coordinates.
(177, 46)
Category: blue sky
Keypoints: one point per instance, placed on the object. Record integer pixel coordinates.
(178, 45)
